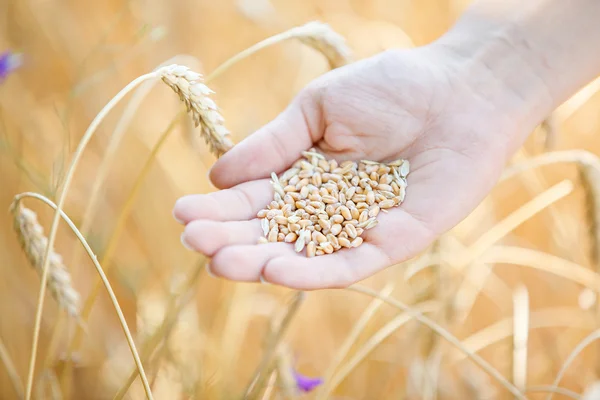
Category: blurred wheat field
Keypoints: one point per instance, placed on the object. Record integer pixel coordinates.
(516, 282)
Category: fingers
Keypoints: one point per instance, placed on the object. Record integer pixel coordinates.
(241, 202)
(208, 237)
(272, 148)
(245, 262)
(278, 263)
(337, 270)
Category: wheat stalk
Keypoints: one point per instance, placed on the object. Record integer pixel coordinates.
(318, 35)
(453, 340)
(321, 37)
(33, 242)
(195, 95)
(111, 293)
(87, 136)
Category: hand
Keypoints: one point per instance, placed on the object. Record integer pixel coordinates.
(415, 104)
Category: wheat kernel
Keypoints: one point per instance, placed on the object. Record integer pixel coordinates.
(319, 237)
(264, 224)
(357, 242)
(272, 237)
(311, 249)
(351, 230)
(346, 213)
(280, 219)
(386, 204)
(344, 242)
(325, 224)
(291, 237)
(364, 215)
(262, 213)
(327, 247)
(337, 219)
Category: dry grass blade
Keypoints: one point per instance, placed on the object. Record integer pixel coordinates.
(195, 95)
(357, 329)
(556, 390)
(554, 317)
(60, 203)
(589, 169)
(33, 242)
(175, 308)
(11, 370)
(589, 339)
(257, 383)
(544, 262)
(315, 34)
(516, 218)
(116, 234)
(106, 283)
(446, 335)
(521, 334)
(374, 341)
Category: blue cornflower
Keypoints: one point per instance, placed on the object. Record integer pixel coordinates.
(9, 61)
(305, 383)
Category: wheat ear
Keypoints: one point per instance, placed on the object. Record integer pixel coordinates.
(318, 35)
(111, 293)
(33, 242)
(195, 95)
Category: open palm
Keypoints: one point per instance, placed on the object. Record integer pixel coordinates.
(408, 104)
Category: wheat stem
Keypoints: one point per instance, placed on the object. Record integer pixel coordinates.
(163, 330)
(553, 389)
(54, 227)
(280, 37)
(445, 334)
(119, 226)
(314, 34)
(264, 367)
(11, 370)
(374, 341)
(589, 339)
(105, 281)
(344, 349)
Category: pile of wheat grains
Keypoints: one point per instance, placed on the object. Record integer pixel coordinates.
(325, 206)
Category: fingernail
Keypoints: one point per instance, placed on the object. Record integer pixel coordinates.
(185, 243)
(208, 271)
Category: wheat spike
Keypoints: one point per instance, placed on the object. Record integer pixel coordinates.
(33, 242)
(195, 95)
(321, 37)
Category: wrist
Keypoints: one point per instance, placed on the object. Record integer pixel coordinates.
(496, 63)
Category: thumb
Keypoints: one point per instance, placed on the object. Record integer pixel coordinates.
(275, 146)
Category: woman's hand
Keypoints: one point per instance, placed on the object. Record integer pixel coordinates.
(422, 104)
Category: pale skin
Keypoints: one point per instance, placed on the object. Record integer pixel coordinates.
(457, 109)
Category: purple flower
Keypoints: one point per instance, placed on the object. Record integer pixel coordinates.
(8, 63)
(306, 384)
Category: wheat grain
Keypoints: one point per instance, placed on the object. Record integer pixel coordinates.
(195, 95)
(33, 242)
(324, 206)
(321, 37)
